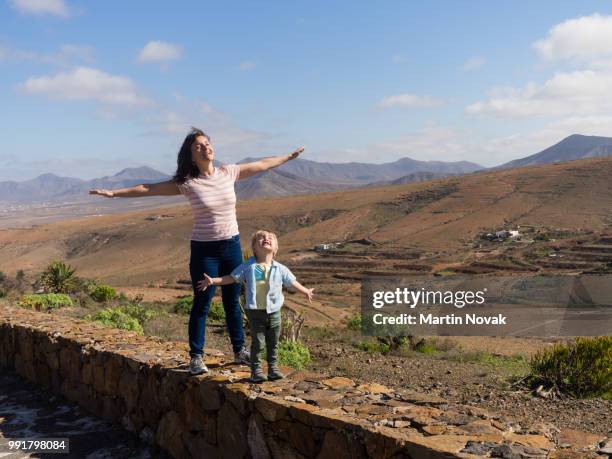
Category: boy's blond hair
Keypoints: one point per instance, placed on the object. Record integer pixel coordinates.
(259, 233)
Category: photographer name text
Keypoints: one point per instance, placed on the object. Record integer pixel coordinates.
(431, 319)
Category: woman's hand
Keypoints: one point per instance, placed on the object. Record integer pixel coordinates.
(296, 153)
(256, 167)
(309, 294)
(106, 193)
(167, 188)
(205, 282)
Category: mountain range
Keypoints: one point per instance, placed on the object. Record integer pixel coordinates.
(573, 147)
(50, 187)
(300, 176)
(295, 177)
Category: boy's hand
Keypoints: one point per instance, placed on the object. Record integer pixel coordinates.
(309, 294)
(205, 282)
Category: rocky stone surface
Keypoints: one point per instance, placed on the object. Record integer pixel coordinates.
(143, 384)
(29, 412)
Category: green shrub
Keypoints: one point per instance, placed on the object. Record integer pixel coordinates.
(582, 368)
(216, 312)
(373, 347)
(354, 322)
(86, 285)
(139, 312)
(183, 305)
(16, 286)
(4, 289)
(45, 302)
(131, 316)
(426, 348)
(293, 354)
(58, 277)
(320, 333)
(516, 363)
(117, 318)
(103, 293)
(393, 343)
(541, 237)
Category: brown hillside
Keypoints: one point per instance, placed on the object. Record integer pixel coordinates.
(436, 217)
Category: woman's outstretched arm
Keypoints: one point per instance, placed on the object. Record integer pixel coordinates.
(249, 169)
(168, 188)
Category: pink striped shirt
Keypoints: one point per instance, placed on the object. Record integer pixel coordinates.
(213, 203)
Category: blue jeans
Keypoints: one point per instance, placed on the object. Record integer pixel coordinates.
(215, 258)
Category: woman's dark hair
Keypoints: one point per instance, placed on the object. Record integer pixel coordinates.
(185, 167)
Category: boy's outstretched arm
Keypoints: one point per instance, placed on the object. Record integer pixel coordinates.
(207, 280)
(306, 291)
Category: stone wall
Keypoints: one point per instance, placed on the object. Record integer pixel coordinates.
(142, 384)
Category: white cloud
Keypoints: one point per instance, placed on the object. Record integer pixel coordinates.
(582, 39)
(586, 125)
(410, 101)
(583, 92)
(8, 53)
(247, 65)
(85, 83)
(227, 134)
(78, 167)
(234, 141)
(498, 150)
(159, 51)
(429, 143)
(66, 55)
(449, 143)
(473, 63)
(41, 7)
(435, 143)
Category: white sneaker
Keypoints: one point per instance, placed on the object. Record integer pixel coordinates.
(197, 365)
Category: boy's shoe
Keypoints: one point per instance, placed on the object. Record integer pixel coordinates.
(197, 365)
(242, 356)
(274, 373)
(257, 376)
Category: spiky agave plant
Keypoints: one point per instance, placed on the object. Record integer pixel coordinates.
(58, 277)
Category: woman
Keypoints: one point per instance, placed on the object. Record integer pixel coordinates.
(215, 242)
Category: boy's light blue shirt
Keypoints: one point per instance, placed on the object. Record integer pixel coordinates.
(279, 276)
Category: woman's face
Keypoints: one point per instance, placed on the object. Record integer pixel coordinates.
(201, 150)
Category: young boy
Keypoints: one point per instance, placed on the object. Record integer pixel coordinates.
(264, 279)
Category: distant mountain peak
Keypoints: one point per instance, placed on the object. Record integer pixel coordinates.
(575, 146)
(130, 170)
(142, 172)
(50, 178)
(48, 175)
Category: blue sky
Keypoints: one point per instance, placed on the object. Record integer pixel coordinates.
(87, 88)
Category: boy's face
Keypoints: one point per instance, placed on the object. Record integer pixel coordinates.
(265, 243)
